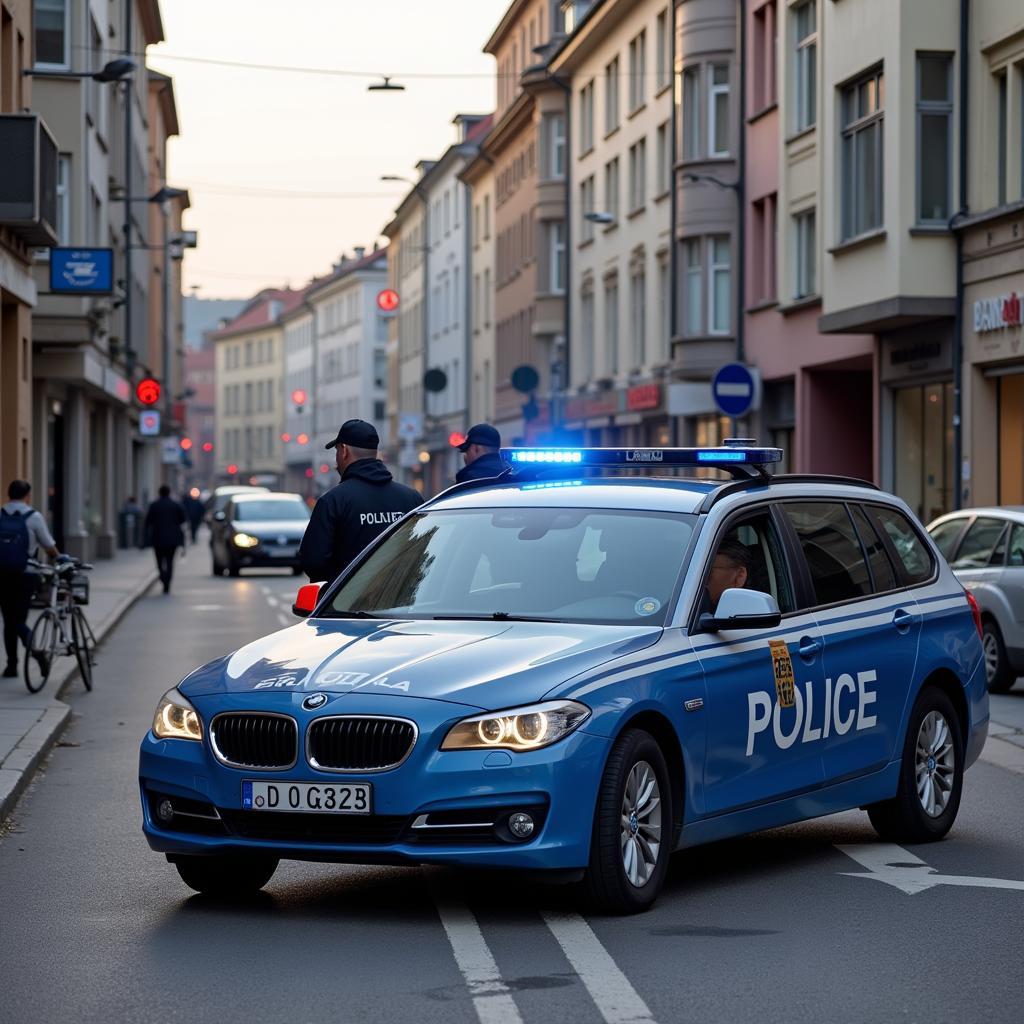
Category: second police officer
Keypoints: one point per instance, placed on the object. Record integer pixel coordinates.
(481, 452)
(355, 511)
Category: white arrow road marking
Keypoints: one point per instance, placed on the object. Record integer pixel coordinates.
(615, 998)
(491, 998)
(899, 868)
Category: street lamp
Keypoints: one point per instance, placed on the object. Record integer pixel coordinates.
(733, 186)
(600, 217)
(113, 71)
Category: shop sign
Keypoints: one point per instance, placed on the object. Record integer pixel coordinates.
(643, 397)
(998, 313)
(592, 406)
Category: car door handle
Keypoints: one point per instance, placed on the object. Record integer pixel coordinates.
(809, 647)
(902, 619)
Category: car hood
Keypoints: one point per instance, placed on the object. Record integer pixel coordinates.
(486, 665)
(271, 527)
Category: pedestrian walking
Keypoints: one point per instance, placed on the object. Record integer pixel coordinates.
(23, 531)
(164, 519)
(356, 510)
(481, 452)
(194, 511)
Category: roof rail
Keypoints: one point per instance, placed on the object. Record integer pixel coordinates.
(735, 486)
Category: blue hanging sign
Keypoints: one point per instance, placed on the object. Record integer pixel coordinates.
(82, 271)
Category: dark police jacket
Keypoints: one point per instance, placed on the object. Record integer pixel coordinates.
(163, 524)
(487, 466)
(350, 515)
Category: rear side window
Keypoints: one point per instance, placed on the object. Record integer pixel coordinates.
(1015, 556)
(831, 549)
(945, 536)
(915, 561)
(881, 568)
(979, 543)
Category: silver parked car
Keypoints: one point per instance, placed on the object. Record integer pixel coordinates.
(985, 548)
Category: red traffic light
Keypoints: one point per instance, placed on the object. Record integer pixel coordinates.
(303, 439)
(299, 396)
(309, 472)
(186, 444)
(324, 468)
(387, 300)
(147, 391)
(286, 437)
(455, 438)
(232, 469)
(207, 446)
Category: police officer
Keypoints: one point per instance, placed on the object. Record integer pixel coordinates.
(480, 451)
(355, 511)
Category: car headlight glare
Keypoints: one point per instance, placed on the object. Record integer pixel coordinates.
(528, 728)
(176, 719)
(245, 540)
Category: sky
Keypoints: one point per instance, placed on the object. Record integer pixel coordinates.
(249, 137)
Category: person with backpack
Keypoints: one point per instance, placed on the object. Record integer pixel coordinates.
(23, 531)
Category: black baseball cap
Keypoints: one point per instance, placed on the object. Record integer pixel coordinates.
(481, 433)
(358, 434)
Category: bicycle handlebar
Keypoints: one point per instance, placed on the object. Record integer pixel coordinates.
(65, 564)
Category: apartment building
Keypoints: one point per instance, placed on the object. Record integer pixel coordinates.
(250, 397)
(200, 425)
(302, 455)
(27, 218)
(531, 232)
(618, 60)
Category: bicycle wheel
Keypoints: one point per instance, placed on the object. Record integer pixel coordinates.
(42, 649)
(85, 644)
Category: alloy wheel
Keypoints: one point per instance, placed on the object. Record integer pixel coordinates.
(641, 824)
(935, 766)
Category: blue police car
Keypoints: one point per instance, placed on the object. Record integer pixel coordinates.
(578, 671)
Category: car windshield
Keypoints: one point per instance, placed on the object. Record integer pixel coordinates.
(561, 564)
(265, 511)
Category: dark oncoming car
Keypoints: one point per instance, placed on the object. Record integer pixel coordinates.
(576, 672)
(258, 530)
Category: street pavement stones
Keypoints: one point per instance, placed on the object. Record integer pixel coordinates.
(30, 723)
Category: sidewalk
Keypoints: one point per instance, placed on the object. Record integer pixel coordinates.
(30, 723)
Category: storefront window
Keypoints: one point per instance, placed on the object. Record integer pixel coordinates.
(923, 448)
(1011, 440)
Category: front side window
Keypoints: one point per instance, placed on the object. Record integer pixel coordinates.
(51, 33)
(805, 20)
(1015, 554)
(862, 162)
(934, 137)
(915, 560)
(566, 564)
(718, 110)
(832, 551)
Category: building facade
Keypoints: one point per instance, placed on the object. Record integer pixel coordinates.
(200, 422)
(301, 461)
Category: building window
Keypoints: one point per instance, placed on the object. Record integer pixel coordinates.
(934, 136)
(587, 118)
(554, 145)
(63, 224)
(719, 284)
(587, 335)
(664, 309)
(862, 106)
(637, 175)
(611, 97)
(487, 218)
(690, 111)
(664, 160)
(556, 257)
(663, 56)
(763, 279)
(611, 188)
(638, 71)
(718, 110)
(805, 21)
(587, 201)
(693, 291)
(806, 269)
(51, 33)
(611, 327)
(763, 57)
(638, 315)
(1003, 133)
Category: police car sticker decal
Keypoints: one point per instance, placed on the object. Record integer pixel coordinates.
(782, 666)
(647, 606)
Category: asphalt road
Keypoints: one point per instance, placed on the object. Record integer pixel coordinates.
(779, 926)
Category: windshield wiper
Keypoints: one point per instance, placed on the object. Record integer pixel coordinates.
(335, 614)
(495, 617)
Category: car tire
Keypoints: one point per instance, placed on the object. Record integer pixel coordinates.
(226, 876)
(931, 774)
(999, 676)
(234, 569)
(627, 867)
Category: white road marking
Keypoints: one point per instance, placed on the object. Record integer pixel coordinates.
(264, 588)
(283, 619)
(491, 998)
(615, 998)
(272, 601)
(901, 869)
(207, 607)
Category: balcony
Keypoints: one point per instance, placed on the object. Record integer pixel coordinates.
(28, 185)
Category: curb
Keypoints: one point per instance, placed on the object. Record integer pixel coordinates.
(20, 767)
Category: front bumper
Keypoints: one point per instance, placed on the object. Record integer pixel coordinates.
(557, 786)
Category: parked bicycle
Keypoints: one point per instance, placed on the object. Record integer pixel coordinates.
(62, 627)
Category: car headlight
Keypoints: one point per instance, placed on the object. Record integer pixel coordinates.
(245, 540)
(528, 728)
(176, 719)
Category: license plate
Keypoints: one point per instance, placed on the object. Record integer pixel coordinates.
(307, 797)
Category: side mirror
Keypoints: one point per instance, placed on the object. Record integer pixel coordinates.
(306, 599)
(742, 609)
(219, 517)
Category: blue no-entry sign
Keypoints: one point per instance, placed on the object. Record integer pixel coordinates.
(734, 390)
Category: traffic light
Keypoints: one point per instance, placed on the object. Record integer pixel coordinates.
(147, 391)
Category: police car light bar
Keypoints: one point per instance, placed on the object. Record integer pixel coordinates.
(746, 461)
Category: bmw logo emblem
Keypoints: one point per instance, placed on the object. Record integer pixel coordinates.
(314, 701)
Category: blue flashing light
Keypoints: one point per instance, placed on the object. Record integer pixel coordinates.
(549, 484)
(533, 459)
(719, 456)
(558, 456)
